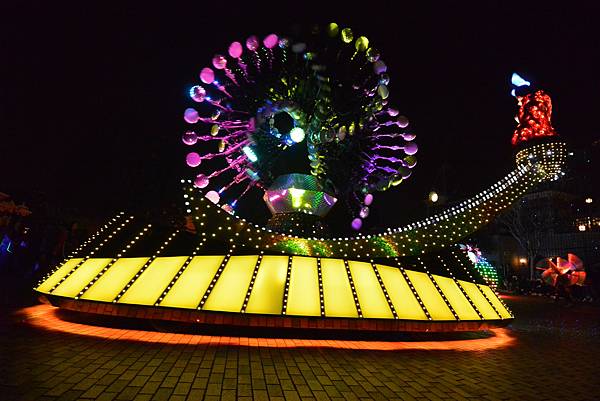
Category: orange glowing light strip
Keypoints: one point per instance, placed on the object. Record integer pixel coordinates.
(45, 317)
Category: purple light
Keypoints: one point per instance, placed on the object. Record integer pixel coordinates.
(402, 122)
(357, 224)
(207, 75)
(274, 197)
(191, 116)
(379, 67)
(189, 138)
(235, 50)
(368, 199)
(411, 148)
(330, 200)
(193, 159)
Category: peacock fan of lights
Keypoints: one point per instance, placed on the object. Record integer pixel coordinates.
(325, 97)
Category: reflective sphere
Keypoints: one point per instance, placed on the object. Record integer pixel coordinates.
(201, 181)
(189, 138)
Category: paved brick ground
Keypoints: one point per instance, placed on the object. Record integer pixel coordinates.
(551, 352)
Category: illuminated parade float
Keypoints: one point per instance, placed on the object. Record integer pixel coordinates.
(307, 126)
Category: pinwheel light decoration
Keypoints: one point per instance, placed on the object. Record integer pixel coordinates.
(565, 272)
(324, 96)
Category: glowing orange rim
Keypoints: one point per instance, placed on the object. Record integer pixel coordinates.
(45, 317)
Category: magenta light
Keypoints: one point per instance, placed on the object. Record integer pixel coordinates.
(191, 116)
(356, 224)
(207, 75)
(274, 197)
(201, 181)
(193, 159)
(198, 93)
(252, 43)
(235, 50)
(368, 199)
(219, 62)
(271, 41)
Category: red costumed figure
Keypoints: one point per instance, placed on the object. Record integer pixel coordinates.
(534, 118)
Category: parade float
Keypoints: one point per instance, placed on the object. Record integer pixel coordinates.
(307, 124)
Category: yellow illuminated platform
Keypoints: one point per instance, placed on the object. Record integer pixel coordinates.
(274, 290)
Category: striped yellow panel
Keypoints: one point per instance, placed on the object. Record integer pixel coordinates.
(267, 294)
(114, 279)
(496, 302)
(81, 277)
(370, 295)
(479, 300)
(193, 282)
(62, 271)
(339, 300)
(229, 292)
(153, 281)
(303, 294)
(435, 304)
(459, 302)
(405, 303)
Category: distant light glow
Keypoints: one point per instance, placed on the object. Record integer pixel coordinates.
(588, 200)
(582, 227)
(518, 81)
(297, 134)
(250, 153)
(433, 196)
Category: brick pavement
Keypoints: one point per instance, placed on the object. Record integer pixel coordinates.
(550, 352)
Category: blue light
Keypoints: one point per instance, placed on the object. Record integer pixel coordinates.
(518, 81)
(250, 153)
(513, 93)
(234, 203)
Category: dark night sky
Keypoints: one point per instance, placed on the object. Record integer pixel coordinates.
(92, 95)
